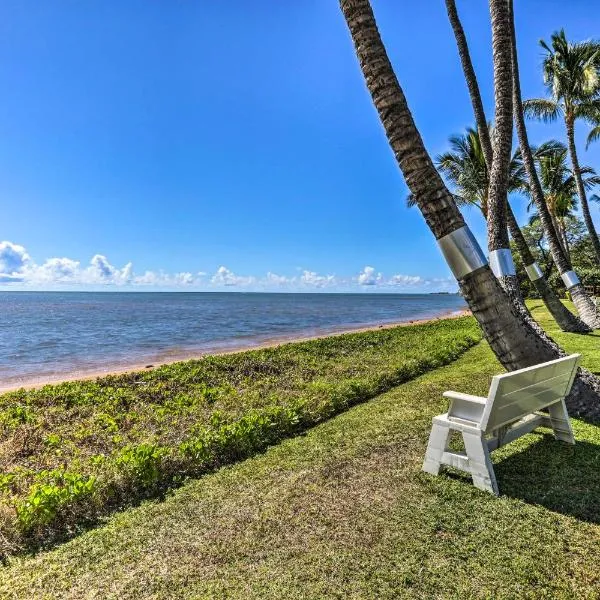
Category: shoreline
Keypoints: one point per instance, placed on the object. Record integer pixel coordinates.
(168, 358)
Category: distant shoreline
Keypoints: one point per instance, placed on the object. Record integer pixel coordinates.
(167, 358)
(103, 290)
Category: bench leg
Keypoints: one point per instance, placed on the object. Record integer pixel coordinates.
(438, 442)
(480, 463)
(561, 425)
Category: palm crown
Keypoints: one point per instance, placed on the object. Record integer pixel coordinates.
(571, 77)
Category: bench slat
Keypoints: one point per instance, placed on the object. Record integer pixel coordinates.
(509, 385)
(516, 394)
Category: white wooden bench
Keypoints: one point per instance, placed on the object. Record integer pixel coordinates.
(509, 411)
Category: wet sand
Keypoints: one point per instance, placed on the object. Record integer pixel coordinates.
(173, 356)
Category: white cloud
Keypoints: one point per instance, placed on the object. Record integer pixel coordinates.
(314, 279)
(68, 271)
(101, 271)
(278, 280)
(54, 270)
(183, 278)
(407, 280)
(19, 270)
(368, 277)
(225, 277)
(13, 259)
(162, 279)
(148, 278)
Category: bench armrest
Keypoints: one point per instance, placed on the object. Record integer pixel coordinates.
(465, 406)
(467, 397)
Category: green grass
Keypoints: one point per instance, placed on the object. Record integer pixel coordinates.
(72, 453)
(588, 345)
(344, 511)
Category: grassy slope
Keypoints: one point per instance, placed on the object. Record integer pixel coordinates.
(345, 512)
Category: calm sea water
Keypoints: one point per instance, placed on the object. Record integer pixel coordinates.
(46, 336)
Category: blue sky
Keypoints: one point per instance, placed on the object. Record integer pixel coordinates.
(204, 145)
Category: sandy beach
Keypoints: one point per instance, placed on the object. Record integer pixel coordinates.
(170, 357)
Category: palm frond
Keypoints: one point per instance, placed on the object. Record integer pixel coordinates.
(549, 148)
(593, 136)
(591, 182)
(588, 110)
(542, 109)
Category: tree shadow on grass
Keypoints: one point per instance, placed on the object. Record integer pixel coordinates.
(559, 476)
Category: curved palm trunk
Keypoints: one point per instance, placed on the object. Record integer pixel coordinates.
(583, 303)
(565, 319)
(499, 173)
(471, 79)
(585, 209)
(512, 339)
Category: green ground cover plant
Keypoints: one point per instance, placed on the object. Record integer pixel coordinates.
(74, 452)
(344, 511)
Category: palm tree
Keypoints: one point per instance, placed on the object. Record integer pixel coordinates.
(498, 244)
(573, 82)
(514, 341)
(564, 318)
(559, 185)
(583, 303)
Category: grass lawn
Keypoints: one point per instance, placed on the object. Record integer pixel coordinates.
(343, 511)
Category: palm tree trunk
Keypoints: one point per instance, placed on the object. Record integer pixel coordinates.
(583, 303)
(512, 339)
(565, 319)
(561, 237)
(498, 243)
(563, 232)
(472, 84)
(585, 209)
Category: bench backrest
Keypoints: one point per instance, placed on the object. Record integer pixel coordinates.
(519, 393)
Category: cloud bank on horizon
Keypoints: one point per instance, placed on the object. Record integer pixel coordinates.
(19, 271)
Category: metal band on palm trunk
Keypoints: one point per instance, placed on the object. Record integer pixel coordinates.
(534, 272)
(570, 279)
(501, 263)
(462, 252)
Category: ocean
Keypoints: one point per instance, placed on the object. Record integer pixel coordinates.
(49, 336)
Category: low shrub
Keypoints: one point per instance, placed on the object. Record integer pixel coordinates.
(45, 500)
